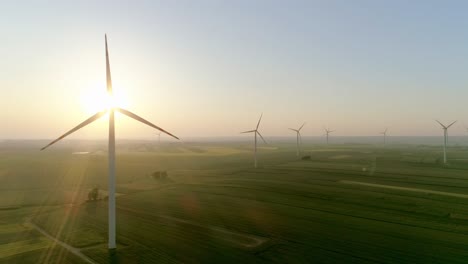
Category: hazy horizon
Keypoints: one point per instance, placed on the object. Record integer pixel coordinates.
(272, 140)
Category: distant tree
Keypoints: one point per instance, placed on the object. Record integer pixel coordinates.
(159, 175)
(156, 175)
(93, 195)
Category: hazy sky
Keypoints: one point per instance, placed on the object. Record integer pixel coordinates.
(209, 68)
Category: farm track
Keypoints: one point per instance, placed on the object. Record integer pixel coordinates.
(71, 249)
(317, 182)
(400, 236)
(459, 195)
(339, 213)
(360, 173)
(255, 240)
(325, 198)
(397, 177)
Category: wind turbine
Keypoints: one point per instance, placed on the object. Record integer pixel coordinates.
(445, 138)
(255, 131)
(159, 138)
(111, 147)
(327, 132)
(298, 137)
(384, 136)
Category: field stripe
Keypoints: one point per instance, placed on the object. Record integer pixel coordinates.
(229, 235)
(459, 195)
(73, 250)
(23, 246)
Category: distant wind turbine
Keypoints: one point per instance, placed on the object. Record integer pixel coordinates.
(255, 131)
(445, 128)
(159, 138)
(298, 138)
(327, 133)
(384, 136)
(111, 147)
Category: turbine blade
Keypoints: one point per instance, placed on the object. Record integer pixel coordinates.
(440, 123)
(108, 72)
(250, 131)
(451, 124)
(301, 126)
(261, 137)
(260, 119)
(293, 129)
(84, 123)
(134, 116)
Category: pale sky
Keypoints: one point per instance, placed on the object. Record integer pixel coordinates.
(209, 68)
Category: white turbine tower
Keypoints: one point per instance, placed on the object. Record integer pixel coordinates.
(255, 131)
(327, 133)
(111, 147)
(384, 136)
(298, 138)
(445, 128)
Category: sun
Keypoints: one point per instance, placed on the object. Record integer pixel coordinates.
(95, 99)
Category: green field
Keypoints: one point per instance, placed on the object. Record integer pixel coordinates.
(349, 203)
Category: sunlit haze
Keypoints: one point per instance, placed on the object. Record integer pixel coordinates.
(233, 131)
(210, 68)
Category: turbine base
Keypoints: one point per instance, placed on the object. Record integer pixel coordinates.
(113, 258)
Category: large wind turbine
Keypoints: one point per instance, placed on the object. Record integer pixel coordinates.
(445, 138)
(327, 132)
(384, 136)
(255, 131)
(111, 147)
(298, 137)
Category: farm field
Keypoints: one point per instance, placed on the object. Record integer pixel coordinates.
(348, 203)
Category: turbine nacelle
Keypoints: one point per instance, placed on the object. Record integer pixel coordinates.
(328, 131)
(446, 127)
(256, 130)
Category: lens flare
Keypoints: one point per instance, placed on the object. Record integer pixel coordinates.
(96, 99)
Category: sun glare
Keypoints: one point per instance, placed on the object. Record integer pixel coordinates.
(96, 99)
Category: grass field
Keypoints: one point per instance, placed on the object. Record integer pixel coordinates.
(349, 203)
